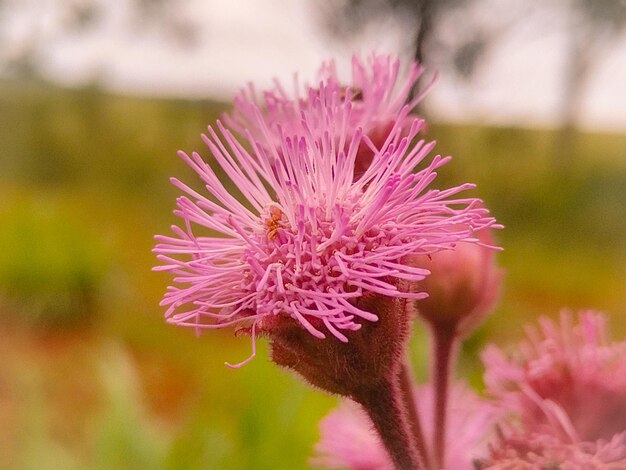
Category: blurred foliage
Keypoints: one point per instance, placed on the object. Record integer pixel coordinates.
(51, 274)
(83, 187)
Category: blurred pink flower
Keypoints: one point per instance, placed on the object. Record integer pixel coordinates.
(566, 381)
(462, 286)
(377, 91)
(533, 451)
(574, 367)
(347, 439)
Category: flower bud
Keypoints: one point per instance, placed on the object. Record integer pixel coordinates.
(462, 286)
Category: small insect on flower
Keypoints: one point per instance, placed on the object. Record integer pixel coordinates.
(273, 222)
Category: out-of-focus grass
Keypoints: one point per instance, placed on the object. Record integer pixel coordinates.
(83, 187)
(53, 264)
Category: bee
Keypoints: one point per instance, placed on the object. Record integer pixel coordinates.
(272, 223)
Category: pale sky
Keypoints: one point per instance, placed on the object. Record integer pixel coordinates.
(256, 40)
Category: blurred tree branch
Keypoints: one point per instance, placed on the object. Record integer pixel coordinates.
(591, 25)
(421, 19)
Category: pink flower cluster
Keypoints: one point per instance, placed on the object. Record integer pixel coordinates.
(378, 93)
(557, 401)
(294, 232)
(566, 388)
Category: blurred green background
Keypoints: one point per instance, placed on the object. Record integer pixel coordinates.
(91, 375)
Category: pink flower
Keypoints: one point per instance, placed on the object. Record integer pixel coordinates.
(305, 238)
(378, 97)
(572, 367)
(462, 286)
(530, 451)
(347, 439)
(377, 91)
(566, 386)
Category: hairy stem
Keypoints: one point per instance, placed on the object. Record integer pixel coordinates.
(384, 405)
(406, 385)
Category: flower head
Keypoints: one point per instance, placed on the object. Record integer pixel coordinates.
(530, 451)
(566, 387)
(305, 239)
(377, 90)
(347, 438)
(565, 379)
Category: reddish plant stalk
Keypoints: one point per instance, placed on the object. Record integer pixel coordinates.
(444, 340)
(406, 385)
(385, 406)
